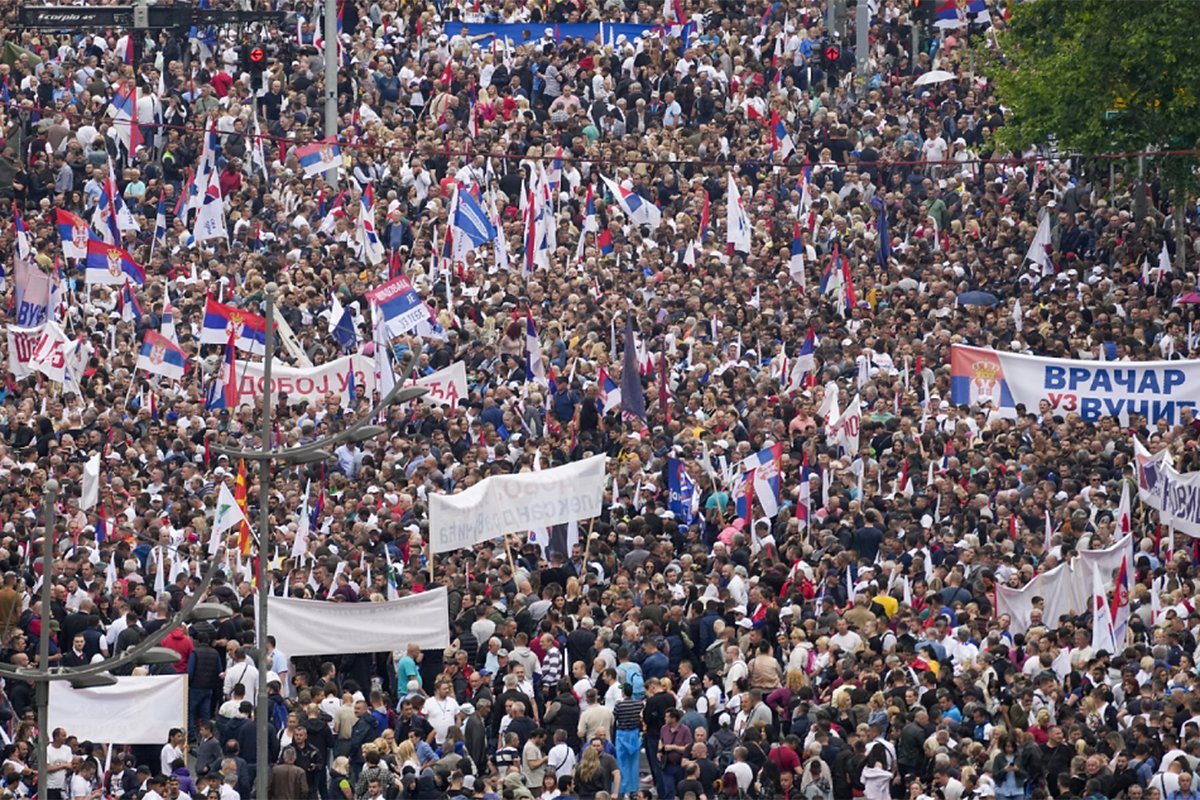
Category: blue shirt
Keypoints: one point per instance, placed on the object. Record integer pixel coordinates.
(655, 666)
(406, 670)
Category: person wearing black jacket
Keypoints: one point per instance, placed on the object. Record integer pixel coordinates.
(308, 758)
(363, 731)
(563, 714)
(847, 765)
(654, 715)
(204, 681)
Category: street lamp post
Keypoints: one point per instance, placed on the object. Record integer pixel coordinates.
(313, 451)
(50, 496)
(331, 81)
(264, 536)
(99, 674)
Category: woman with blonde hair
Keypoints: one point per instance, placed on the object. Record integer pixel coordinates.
(339, 778)
(801, 655)
(406, 755)
(589, 777)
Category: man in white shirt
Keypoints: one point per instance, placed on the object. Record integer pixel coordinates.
(441, 710)
(241, 670)
(171, 751)
(59, 758)
(846, 640)
(155, 788)
(561, 759)
(82, 781)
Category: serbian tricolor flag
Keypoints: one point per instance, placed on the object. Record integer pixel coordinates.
(765, 466)
(223, 323)
(604, 242)
(109, 265)
(160, 356)
(127, 304)
(609, 395)
(74, 232)
(781, 142)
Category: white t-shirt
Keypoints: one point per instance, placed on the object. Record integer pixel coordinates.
(847, 642)
(562, 759)
(441, 714)
(80, 787)
(168, 754)
(55, 756)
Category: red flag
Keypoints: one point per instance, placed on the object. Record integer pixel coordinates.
(849, 282)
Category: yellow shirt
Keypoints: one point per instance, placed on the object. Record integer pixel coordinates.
(890, 604)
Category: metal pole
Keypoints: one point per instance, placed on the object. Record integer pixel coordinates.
(1139, 191)
(43, 687)
(862, 27)
(331, 73)
(263, 713)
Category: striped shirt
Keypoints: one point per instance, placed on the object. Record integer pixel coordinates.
(628, 714)
(552, 667)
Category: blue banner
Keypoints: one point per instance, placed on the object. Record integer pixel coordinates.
(681, 489)
(520, 34)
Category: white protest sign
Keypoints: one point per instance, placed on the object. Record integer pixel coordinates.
(21, 344)
(512, 503)
(309, 384)
(446, 386)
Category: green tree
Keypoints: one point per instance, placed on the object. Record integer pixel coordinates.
(1103, 76)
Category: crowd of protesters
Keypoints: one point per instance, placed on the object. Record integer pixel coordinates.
(847, 646)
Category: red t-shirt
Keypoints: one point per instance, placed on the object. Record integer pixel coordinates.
(221, 83)
(785, 758)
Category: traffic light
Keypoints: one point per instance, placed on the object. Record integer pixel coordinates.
(254, 61)
(830, 55)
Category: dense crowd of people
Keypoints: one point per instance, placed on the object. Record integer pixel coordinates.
(847, 645)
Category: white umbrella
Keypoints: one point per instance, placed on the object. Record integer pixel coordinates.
(934, 76)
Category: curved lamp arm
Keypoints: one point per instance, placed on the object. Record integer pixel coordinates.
(129, 656)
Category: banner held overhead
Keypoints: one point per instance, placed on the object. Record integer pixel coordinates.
(513, 503)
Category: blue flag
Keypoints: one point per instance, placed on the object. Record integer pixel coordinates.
(682, 489)
(633, 401)
(471, 227)
(881, 227)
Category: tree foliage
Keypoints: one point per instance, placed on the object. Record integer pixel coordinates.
(1063, 66)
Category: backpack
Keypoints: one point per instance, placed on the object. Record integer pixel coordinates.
(714, 658)
(633, 675)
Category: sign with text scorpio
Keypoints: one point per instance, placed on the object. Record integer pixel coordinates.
(514, 503)
(308, 383)
(1093, 389)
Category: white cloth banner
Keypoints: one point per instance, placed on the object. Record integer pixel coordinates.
(516, 503)
(319, 627)
(134, 710)
(50, 355)
(1093, 389)
(446, 386)
(1149, 468)
(309, 384)
(1066, 589)
(1174, 495)
(21, 344)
